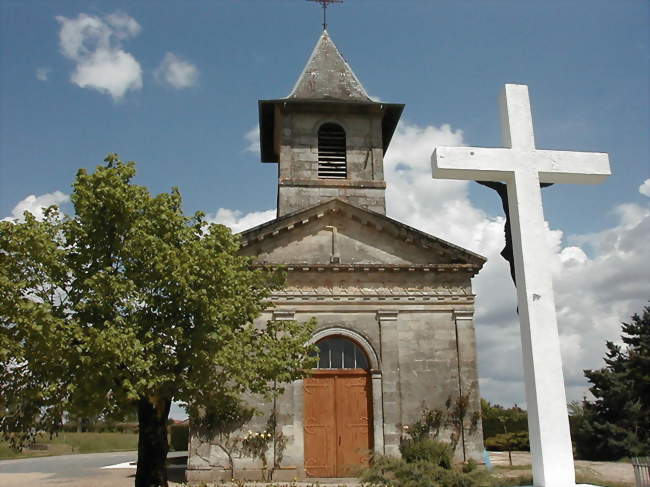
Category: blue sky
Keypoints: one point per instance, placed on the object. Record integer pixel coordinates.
(181, 95)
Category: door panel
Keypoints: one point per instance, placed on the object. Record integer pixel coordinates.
(337, 422)
(320, 427)
(353, 419)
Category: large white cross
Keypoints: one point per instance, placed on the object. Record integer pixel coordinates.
(522, 167)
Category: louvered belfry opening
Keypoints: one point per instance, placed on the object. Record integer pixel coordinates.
(332, 162)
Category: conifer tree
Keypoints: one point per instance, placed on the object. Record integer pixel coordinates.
(616, 423)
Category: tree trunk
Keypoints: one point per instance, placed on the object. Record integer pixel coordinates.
(152, 442)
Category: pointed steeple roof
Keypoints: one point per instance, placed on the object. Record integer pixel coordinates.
(326, 84)
(328, 76)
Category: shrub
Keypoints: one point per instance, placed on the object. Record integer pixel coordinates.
(435, 452)
(424, 463)
(508, 442)
(179, 436)
(496, 419)
(395, 472)
(470, 466)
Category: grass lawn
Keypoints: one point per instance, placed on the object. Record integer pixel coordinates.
(66, 443)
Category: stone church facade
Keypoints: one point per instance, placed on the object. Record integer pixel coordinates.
(394, 306)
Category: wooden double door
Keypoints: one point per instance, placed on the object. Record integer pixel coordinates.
(338, 422)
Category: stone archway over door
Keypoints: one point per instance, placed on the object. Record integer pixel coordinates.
(338, 422)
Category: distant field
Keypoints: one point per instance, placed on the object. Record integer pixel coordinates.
(66, 443)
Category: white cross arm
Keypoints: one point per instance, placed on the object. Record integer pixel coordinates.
(500, 164)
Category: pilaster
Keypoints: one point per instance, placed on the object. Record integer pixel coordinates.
(392, 404)
(468, 377)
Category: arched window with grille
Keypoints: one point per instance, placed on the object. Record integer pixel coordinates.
(332, 162)
(340, 353)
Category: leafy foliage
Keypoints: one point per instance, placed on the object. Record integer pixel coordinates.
(256, 444)
(454, 417)
(499, 420)
(130, 302)
(179, 436)
(424, 463)
(617, 423)
(508, 442)
(428, 450)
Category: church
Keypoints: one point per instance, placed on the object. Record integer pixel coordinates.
(394, 306)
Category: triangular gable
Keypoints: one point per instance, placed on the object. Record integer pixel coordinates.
(328, 76)
(364, 238)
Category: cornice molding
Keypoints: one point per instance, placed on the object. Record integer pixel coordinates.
(387, 268)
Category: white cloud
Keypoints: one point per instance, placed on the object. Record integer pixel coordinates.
(253, 139)
(36, 204)
(176, 72)
(123, 25)
(42, 73)
(644, 189)
(239, 221)
(95, 45)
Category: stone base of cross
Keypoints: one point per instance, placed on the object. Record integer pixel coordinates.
(522, 167)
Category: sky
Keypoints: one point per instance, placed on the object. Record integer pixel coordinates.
(174, 86)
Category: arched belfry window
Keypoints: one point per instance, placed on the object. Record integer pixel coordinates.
(332, 162)
(340, 353)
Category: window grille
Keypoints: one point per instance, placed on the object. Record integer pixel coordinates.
(332, 162)
(340, 353)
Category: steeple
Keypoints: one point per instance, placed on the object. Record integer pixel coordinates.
(328, 76)
(328, 136)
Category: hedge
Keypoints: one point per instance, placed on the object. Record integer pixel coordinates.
(179, 436)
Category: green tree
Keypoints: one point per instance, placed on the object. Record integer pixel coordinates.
(504, 429)
(496, 418)
(131, 304)
(617, 422)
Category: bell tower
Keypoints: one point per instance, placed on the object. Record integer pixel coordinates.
(328, 137)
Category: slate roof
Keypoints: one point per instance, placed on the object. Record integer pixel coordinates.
(328, 76)
(326, 83)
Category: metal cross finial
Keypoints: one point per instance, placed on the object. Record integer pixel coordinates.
(324, 3)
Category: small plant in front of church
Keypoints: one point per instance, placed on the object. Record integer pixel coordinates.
(432, 421)
(256, 444)
(425, 463)
(425, 460)
(428, 426)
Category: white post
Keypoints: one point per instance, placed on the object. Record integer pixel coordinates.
(522, 168)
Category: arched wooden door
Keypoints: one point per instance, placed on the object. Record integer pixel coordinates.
(338, 411)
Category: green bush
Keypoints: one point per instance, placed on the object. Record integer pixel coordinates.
(103, 427)
(179, 436)
(424, 463)
(470, 466)
(508, 442)
(495, 417)
(394, 472)
(435, 452)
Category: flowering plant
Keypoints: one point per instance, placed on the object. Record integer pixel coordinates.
(257, 443)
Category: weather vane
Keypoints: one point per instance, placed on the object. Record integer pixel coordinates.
(325, 3)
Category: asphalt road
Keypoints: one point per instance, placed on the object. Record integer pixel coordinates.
(63, 468)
